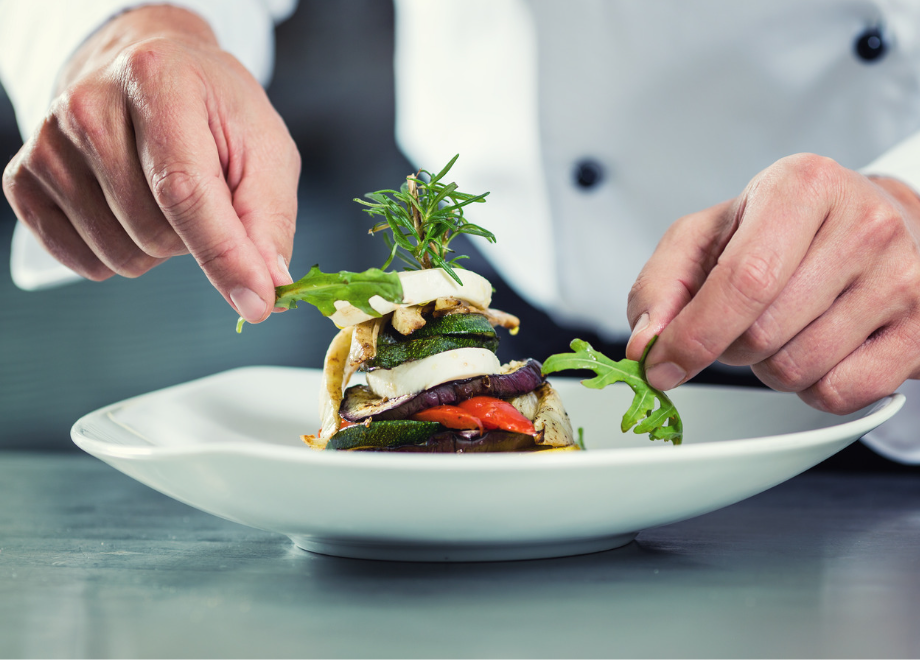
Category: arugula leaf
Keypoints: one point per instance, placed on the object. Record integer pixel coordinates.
(662, 423)
(322, 290)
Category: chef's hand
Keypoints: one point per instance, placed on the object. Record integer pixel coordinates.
(160, 144)
(812, 276)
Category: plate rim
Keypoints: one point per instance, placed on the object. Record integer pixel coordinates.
(879, 412)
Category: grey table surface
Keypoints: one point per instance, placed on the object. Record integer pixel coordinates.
(95, 564)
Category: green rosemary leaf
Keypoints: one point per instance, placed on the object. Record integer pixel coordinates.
(439, 262)
(448, 189)
(475, 230)
(440, 175)
(467, 202)
(422, 218)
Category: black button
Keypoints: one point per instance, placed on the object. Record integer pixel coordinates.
(870, 46)
(588, 173)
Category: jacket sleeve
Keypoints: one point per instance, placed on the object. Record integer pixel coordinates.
(35, 41)
(897, 438)
(901, 162)
(37, 38)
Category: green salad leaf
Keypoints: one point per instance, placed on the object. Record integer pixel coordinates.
(322, 290)
(662, 423)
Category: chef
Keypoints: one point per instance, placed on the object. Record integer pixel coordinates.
(756, 164)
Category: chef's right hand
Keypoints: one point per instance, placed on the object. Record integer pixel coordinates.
(161, 144)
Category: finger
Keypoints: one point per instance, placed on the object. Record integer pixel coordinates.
(105, 139)
(828, 271)
(55, 162)
(266, 202)
(780, 214)
(825, 342)
(50, 225)
(838, 254)
(179, 157)
(674, 273)
(874, 370)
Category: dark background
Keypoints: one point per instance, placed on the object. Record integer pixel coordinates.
(67, 351)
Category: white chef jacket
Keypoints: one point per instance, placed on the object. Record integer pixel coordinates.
(677, 104)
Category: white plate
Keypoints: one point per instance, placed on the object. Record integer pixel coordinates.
(229, 445)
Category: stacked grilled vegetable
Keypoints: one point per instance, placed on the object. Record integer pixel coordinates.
(426, 339)
(434, 383)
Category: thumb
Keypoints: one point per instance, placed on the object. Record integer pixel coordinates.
(675, 272)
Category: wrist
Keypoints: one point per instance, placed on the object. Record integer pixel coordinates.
(131, 27)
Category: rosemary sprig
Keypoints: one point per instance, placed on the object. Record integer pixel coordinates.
(423, 217)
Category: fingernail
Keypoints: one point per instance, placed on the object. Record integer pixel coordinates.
(665, 376)
(284, 269)
(641, 325)
(248, 303)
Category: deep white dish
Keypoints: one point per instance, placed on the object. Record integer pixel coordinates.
(229, 445)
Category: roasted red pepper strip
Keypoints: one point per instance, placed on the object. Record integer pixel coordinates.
(450, 416)
(497, 414)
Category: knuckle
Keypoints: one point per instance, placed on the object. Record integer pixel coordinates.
(812, 171)
(784, 373)
(284, 221)
(21, 199)
(212, 255)
(758, 342)
(41, 156)
(47, 157)
(160, 241)
(752, 280)
(95, 271)
(635, 291)
(636, 294)
(177, 191)
(137, 266)
(906, 282)
(145, 60)
(826, 395)
(82, 110)
(759, 339)
(702, 349)
(132, 262)
(215, 252)
(881, 226)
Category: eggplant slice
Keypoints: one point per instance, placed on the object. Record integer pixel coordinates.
(360, 403)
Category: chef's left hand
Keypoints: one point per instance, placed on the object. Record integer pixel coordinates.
(811, 276)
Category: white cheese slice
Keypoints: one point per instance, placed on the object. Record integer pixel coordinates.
(418, 375)
(419, 287)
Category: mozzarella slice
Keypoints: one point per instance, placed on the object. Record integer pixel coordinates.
(420, 287)
(418, 375)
